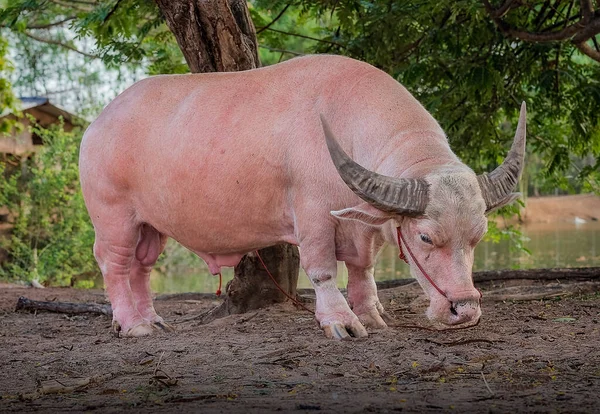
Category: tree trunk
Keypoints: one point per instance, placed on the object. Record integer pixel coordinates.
(214, 35)
(219, 36)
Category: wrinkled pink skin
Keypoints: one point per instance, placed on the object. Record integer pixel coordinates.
(227, 163)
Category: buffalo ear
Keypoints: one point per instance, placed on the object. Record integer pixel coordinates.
(364, 213)
(511, 197)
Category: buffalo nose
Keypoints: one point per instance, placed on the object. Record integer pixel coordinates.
(464, 311)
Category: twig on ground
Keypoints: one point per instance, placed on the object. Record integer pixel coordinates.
(199, 397)
(247, 318)
(462, 341)
(457, 328)
(161, 377)
(205, 317)
(487, 385)
(158, 363)
(65, 386)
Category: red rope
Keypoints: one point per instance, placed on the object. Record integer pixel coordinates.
(218, 292)
(412, 256)
(401, 255)
(294, 300)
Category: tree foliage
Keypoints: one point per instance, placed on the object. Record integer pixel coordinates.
(122, 31)
(52, 235)
(470, 62)
(7, 98)
(472, 76)
(81, 54)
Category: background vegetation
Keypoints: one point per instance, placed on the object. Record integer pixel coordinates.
(52, 235)
(470, 62)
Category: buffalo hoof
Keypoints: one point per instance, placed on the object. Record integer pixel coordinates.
(163, 326)
(372, 320)
(340, 332)
(142, 329)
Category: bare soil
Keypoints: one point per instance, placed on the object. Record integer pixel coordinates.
(526, 356)
(561, 208)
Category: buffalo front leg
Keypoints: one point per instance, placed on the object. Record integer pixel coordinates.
(362, 296)
(332, 311)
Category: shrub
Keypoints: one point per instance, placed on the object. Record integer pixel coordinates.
(52, 237)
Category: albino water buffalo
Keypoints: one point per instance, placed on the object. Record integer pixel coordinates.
(226, 163)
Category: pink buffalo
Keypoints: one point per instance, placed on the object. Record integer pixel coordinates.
(226, 163)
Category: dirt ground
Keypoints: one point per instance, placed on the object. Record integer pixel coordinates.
(528, 356)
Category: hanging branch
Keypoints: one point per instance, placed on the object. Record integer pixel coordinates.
(75, 5)
(500, 12)
(112, 10)
(316, 39)
(584, 27)
(49, 25)
(44, 26)
(59, 43)
(273, 49)
(588, 51)
(281, 13)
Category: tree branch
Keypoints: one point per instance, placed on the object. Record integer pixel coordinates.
(281, 13)
(308, 37)
(590, 30)
(83, 6)
(565, 22)
(43, 26)
(500, 12)
(587, 27)
(587, 10)
(63, 307)
(588, 51)
(409, 48)
(563, 34)
(538, 20)
(53, 24)
(272, 49)
(111, 12)
(59, 43)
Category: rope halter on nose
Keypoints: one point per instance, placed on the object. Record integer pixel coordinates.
(401, 255)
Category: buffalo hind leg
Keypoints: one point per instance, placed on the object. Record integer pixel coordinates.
(114, 250)
(332, 311)
(363, 299)
(150, 245)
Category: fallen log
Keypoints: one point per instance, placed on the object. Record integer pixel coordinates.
(576, 273)
(565, 274)
(582, 274)
(528, 293)
(62, 307)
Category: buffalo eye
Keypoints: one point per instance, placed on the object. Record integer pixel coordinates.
(425, 238)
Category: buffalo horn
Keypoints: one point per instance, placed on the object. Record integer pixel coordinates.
(403, 196)
(500, 183)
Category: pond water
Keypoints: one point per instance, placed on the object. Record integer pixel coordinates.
(551, 245)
